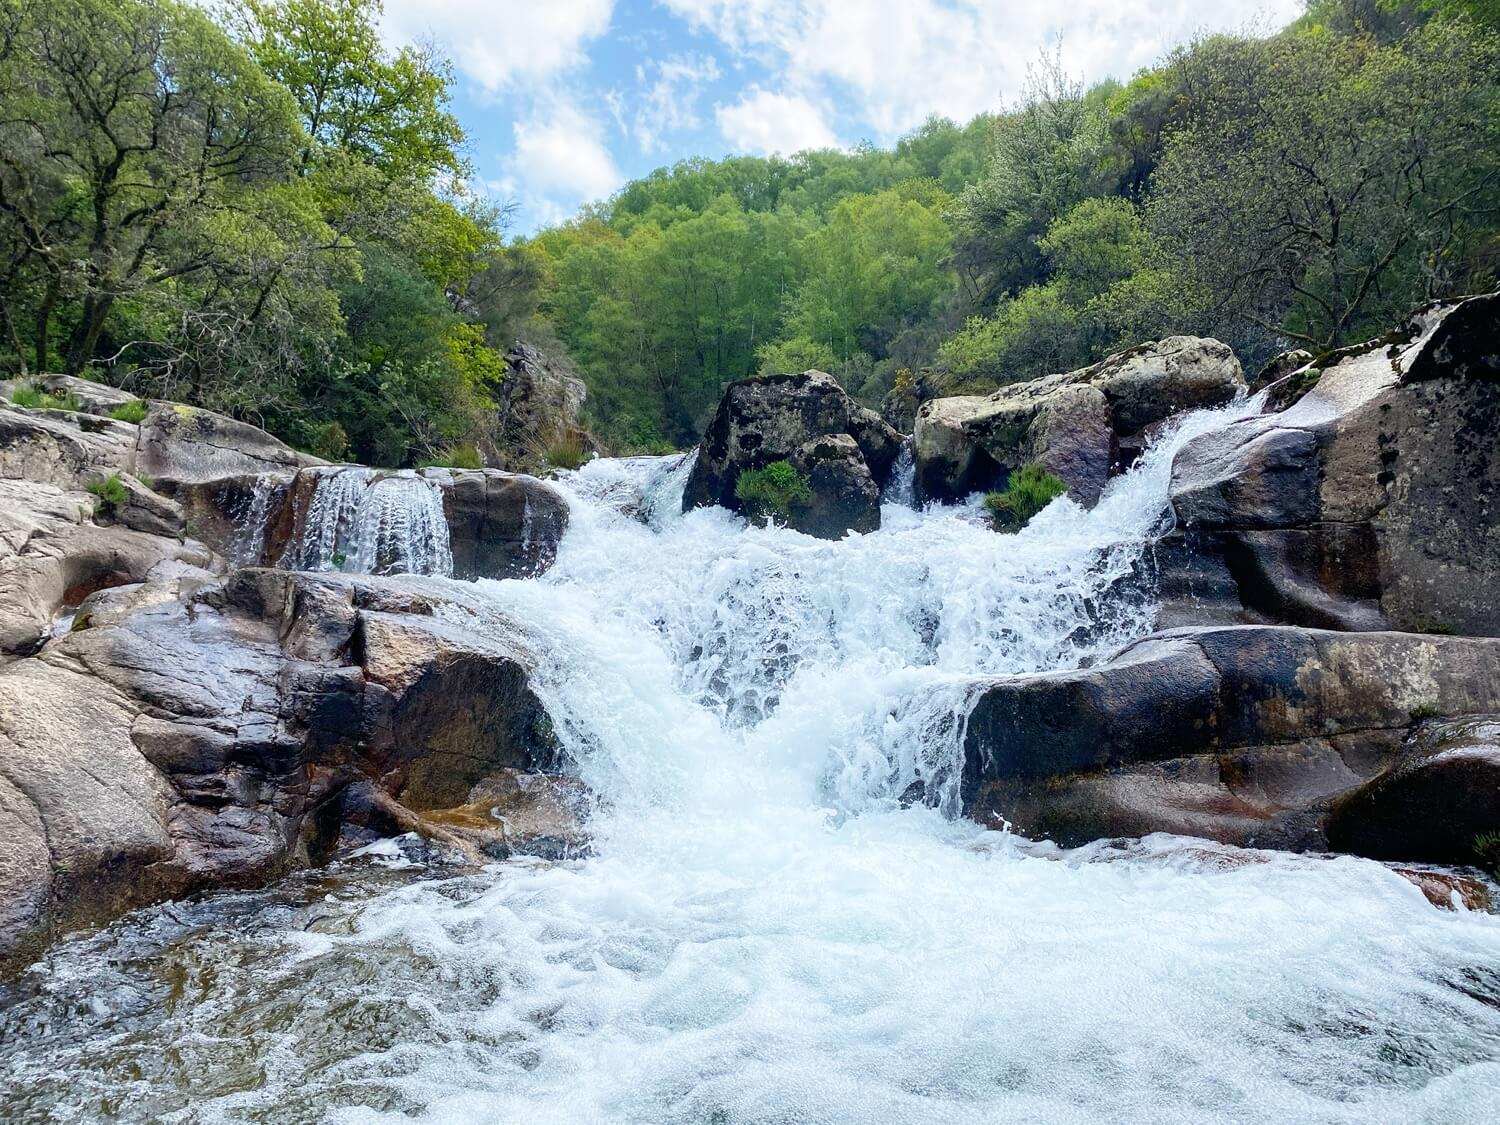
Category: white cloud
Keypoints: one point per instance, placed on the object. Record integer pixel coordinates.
(667, 100)
(899, 60)
(560, 161)
(765, 122)
(503, 44)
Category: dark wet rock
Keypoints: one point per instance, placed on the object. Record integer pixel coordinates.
(1080, 426)
(1370, 501)
(844, 494)
(783, 418)
(199, 732)
(1243, 734)
(500, 525)
(1433, 805)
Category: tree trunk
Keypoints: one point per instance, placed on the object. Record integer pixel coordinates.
(86, 336)
(44, 324)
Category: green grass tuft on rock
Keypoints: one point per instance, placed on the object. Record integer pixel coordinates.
(776, 491)
(35, 397)
(110, 493)
(133, 412)
(1030, 489)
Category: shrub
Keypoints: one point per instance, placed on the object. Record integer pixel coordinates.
(133, 412)
(565, 452)
(36, 397)
(1424, 711)
(777, 490)
(1029, 490)
(329, 442)
(111, 493)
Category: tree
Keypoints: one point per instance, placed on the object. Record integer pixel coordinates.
(1046, 159)
(1322, 184)
(137, 130)
(353, 95)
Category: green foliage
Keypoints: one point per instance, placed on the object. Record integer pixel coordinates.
(1033, 334)
(110, 493)
(455, 457)
(565, 452)
(253, 217)
(1487, 849)
(330, 442)
(1029, 489)
(133, 411)
(798, 354)
(776, 491)
(1321, 184)
(1424, 711)
(36, 397)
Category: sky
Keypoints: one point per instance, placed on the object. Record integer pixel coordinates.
(565, 100)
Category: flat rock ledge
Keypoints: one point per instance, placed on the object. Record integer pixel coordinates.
(1259, 736)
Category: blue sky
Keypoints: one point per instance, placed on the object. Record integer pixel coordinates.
(565, 100)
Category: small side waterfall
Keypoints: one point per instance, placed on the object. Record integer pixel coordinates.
(250, 538)
(901, 487)
(364, 521)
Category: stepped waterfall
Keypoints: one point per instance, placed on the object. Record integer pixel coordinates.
(784, 917)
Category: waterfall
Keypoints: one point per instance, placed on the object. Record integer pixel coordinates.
(785, 919)
(249, 540)
(367, 521)
(901, 486)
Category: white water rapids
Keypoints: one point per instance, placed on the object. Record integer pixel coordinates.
(766, 933)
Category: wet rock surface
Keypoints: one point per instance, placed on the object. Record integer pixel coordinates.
(201, 732)
(808, 420)
(1246, 735)
(1369, 502)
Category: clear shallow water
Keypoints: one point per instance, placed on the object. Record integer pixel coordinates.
(766, 934)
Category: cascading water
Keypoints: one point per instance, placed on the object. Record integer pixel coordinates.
(367, 521)
(768, 932)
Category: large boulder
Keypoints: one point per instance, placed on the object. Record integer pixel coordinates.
(1437, 802)
(179, 445)
(1370, 501)
(1082, 425)
(809, 421)
(63, 449)
(199, 732)
(540, 400)
(1242, 734)
(500, 525)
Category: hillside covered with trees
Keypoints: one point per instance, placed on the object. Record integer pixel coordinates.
(263, 210)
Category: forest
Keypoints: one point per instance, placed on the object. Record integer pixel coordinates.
(263, 210)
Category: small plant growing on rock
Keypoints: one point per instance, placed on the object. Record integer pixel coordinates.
(1424, 711)
(1029, 490)
(110, 493)
(1487, 848)
(778, 490)
(36, 397)
(133, 412)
